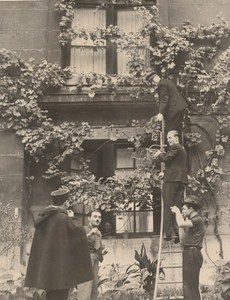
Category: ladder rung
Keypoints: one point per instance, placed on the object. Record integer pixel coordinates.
(169, 282)
(171, 266)
(171, 251)
(171, 297)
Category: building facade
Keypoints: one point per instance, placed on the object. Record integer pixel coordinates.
(31, 28)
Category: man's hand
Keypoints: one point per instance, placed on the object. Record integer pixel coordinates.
(94, 230)
(159, 117)
(104, 251)
(70, 213)
(175, 209)
(157, 153)
(161, 175)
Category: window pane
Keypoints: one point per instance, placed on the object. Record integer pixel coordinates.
(88, 60)
(128, 21)
(124, 158)
(125, 222)
(144, 221)
(84, 56)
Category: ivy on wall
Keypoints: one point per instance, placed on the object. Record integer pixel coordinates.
(21, 86)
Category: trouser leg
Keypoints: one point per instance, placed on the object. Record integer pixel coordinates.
(89, 290)
(177, 200)
(95, 264)
(192, 262)
(176, 123)
(85, 290)
(173, 194)
(57, 294)
(167, 200)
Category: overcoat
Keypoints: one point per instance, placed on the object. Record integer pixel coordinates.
(59, 256)
(171, 101)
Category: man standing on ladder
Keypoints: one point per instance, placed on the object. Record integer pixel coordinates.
(174, 181)
(172, 105)
(192, 230)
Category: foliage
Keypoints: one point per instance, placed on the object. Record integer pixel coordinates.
(222, 280)
(140, 275)
(220, 290)
(12, 232)
(148, 269)
(11, 287)
(22, 85)
(113, 194)
(120, 277)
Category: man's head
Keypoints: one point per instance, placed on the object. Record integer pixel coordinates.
(153, 78)
(108, 227)
(173, 137)
(190, 204)
(94, 218)
(59, 197)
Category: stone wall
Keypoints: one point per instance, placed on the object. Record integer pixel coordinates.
(30, 28)
(175, 12)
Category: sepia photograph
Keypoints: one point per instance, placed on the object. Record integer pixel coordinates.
(114, 149)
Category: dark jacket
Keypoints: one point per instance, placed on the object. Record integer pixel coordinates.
(175, 164)
(170, 100)
(59, 256)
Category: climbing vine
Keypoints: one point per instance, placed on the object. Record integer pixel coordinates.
(22, 85)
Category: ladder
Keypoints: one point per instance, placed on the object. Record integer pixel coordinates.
(170, 251)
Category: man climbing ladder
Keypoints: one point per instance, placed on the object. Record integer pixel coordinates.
(174, 181)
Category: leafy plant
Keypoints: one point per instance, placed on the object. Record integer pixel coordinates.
(148, 269)
(222, 279)
(12, 232)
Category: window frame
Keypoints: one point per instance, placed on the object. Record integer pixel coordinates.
(134, 210)
(110, 48)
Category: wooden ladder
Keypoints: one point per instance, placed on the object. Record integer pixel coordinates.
(160, 251)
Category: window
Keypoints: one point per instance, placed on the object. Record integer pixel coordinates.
(128, 21)
(85, 57)
(125, 163)
(117, 159)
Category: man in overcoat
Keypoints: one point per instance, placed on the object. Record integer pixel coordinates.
(59, 257)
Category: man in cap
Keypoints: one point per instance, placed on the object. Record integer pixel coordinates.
(192, 230)
(59, 257)
(171, 103)
(89, 290)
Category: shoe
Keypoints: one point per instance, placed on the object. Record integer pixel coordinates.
(168, 238)
(177, 240)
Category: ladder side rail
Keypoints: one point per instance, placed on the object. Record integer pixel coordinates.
(162, 139)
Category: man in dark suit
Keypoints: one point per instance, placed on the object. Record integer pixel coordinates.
(174, 180)
(171, 103)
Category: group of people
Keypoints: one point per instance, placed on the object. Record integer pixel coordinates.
(180, 212)
(64, 255)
